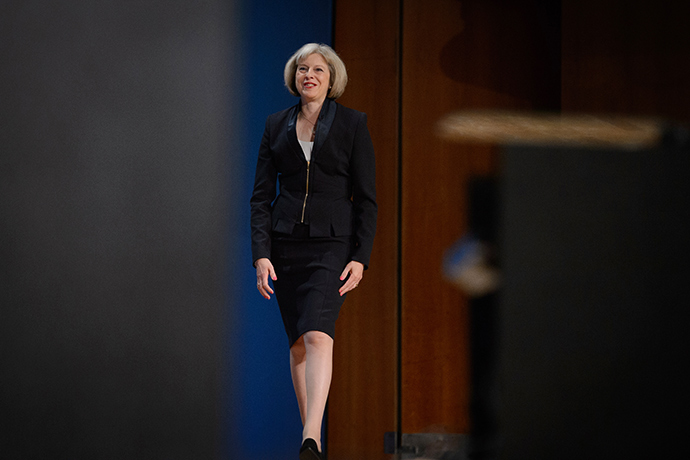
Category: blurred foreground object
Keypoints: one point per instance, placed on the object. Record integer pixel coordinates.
(555, 130)
(589, 331)
(467, 265)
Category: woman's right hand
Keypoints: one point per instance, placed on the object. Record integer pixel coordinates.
(264, 269)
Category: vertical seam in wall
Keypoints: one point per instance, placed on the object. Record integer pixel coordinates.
(560, 58)
(399, 229)
(324, 429)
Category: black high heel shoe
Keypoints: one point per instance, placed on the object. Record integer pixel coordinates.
(309, 450)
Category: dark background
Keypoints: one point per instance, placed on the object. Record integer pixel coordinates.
(593, 317)
(117, 172)
(113, 195)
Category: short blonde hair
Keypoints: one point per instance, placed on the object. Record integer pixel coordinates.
(336, 66)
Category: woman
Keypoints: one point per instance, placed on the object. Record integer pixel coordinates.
(315, 238)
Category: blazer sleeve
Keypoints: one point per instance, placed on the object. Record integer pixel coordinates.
(363, 173)
(263, 195)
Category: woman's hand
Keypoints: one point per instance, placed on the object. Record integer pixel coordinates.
(355, 269)
(264, 269)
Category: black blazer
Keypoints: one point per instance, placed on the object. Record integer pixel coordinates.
(335, 193)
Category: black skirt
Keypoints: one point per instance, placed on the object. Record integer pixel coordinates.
(308, 271)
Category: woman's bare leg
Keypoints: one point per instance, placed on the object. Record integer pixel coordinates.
(318, 371)
(298, 364)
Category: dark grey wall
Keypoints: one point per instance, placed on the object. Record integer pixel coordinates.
(113, 200)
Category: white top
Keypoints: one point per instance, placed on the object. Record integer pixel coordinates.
(306, 148)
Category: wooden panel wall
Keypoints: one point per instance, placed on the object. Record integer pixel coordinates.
(410, 64)
(630, 58)
(457, 55)
(363, 400)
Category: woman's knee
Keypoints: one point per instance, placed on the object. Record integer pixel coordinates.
(317, 339)
(298, 349)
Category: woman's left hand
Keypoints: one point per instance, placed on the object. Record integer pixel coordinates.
(355, 269)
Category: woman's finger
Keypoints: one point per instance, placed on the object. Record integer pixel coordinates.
(347, 287)
(343, 275)
(351, 283)
(264, 289)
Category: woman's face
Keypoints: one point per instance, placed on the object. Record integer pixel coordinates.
(312, 78)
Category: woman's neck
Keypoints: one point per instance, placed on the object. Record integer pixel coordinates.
(311, 109)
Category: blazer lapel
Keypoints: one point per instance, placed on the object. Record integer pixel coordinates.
(326, 118)
(292, 133)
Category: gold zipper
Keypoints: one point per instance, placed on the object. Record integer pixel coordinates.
(306, 194)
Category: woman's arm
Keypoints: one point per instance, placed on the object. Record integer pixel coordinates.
(262, 197)
(363, 173)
